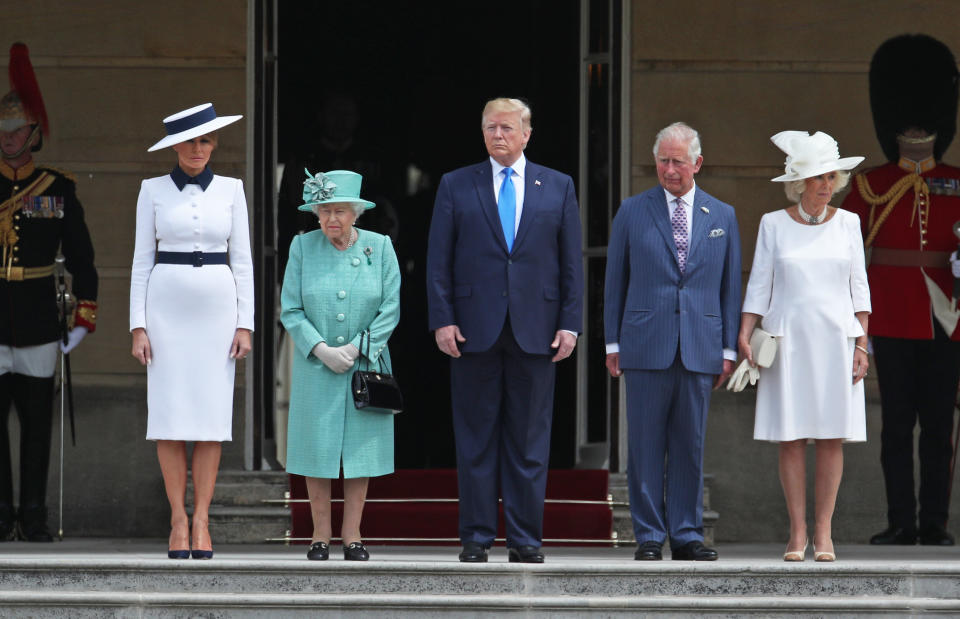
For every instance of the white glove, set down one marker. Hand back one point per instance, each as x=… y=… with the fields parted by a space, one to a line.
x=74 y=337
x=339 y=359
x=954 y=264
x=742 y=375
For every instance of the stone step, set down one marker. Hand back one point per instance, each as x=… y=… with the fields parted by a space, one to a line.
x=80 y=579
x=245 y=487
x=248 y=524
x=98 y=604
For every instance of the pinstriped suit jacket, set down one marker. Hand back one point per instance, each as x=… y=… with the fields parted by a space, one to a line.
x=650 y=307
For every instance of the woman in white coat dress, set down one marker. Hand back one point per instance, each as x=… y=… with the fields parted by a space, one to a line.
x=808 y=286
x=191 y=314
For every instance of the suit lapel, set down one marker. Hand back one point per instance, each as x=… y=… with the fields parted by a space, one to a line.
x=532 y=194
x=700 y=220
x=661 y=219
x=483 y=183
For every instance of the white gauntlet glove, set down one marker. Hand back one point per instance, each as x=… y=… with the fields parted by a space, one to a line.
x=954 y=265
x=339 y=359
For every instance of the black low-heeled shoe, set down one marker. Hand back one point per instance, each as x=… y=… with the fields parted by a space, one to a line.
x=355 y=551
x=201 y=554
x=319 y=551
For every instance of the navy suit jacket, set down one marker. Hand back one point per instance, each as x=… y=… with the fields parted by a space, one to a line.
x=473 y=281
x=650 y=307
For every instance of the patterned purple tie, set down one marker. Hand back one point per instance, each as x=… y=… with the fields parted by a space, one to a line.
x=679 y=224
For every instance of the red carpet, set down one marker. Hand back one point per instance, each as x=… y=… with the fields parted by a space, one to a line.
x=424 y=522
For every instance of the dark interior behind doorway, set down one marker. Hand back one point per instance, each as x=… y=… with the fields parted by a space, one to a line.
x=394 y=90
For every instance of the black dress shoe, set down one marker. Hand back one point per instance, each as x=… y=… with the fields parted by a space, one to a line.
x=895 y=536
x=319 y=551
x=649 y=551
x=473 y=552
x=33 y=524
x=178 y=554
x=935 y=535
x=355 y=551
x=525 y=554
x=693 y=551
x=201 y=554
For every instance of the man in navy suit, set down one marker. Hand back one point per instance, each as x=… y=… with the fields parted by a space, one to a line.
x=504 y=289
x=671 y=316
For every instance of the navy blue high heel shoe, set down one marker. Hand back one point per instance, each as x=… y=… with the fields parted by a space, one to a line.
x=201 y=554
x=178 y=554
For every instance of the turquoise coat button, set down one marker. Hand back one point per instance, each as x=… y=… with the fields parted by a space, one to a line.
x=342 y=294
x=340 y=317
x=339 y=339
x=355 y=262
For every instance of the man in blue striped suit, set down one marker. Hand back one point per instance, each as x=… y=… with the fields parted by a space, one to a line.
x=671 y=316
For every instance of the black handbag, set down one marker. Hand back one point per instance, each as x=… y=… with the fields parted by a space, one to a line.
x=376 y=390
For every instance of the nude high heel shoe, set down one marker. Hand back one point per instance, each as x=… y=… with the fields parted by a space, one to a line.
x=796 y=555
x=823 y=556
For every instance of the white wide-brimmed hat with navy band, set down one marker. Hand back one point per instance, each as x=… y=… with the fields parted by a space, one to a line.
x=332 y=187
x=810 y=155
x=192 y=123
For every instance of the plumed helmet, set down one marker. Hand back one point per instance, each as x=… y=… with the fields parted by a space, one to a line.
x=23 y=105
x=913 y=83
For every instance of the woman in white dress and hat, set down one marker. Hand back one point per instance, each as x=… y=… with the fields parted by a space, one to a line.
x=191 y=314
x=808 y=287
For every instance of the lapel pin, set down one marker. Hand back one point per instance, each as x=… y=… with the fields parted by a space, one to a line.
x=536 y=182
x=704 y=209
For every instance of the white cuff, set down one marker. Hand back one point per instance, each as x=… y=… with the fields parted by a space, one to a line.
x=612 y=348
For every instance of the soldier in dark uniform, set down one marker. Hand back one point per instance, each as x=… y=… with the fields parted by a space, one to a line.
x=907 y=209
x=39 y=216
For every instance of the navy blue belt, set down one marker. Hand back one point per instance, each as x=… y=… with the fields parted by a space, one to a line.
x=196 y=258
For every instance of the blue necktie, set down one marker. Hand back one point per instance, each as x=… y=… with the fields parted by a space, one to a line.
x=507 y=205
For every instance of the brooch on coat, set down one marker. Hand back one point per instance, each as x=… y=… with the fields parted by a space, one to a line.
x=367 y=251
x=715 y=233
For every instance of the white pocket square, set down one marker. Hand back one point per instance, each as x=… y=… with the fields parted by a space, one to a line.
x=716 y=232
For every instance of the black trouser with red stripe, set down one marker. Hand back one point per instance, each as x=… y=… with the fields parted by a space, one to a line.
x=918 y=382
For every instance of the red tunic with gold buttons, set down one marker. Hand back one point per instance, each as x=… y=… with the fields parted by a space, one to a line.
x=910 y=239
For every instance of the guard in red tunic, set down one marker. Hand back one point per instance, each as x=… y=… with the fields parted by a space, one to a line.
x=908 y=208
x=39 y=217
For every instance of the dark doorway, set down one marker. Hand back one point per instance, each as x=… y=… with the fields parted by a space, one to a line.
x=397 y=88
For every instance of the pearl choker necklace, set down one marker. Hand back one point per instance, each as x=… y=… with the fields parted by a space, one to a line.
x=811 y=219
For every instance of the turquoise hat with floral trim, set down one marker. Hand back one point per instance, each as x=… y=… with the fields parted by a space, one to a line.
x=332 y=187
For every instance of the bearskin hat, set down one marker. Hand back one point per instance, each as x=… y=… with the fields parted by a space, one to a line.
x=913 y=83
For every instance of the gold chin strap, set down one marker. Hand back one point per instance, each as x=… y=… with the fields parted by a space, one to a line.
x=921 y=201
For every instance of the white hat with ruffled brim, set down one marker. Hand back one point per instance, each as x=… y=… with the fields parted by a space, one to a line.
x=192 y=123
x=810 y=155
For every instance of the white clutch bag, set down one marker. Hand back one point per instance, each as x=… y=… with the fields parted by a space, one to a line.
x=764 y=348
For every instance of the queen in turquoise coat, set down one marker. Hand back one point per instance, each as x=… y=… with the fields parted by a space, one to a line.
x=341 y=284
